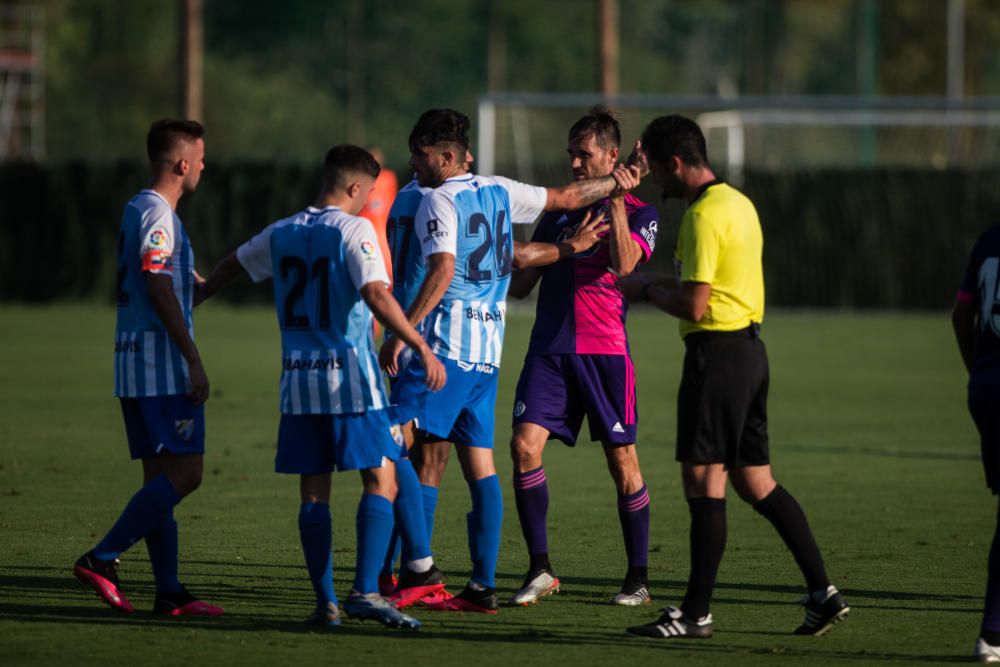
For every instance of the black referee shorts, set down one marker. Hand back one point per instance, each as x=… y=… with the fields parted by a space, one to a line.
x=722 y=403
x=984 y=404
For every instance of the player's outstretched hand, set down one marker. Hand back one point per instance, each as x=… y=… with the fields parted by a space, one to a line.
x=198 y=393
x=632 y=285
x=626 y=178
x=388 y=356
x=436 y=374
x=199 y=290
x=588 y=232
x=638 y=159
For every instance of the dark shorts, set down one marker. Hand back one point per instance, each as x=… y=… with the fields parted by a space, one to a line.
x=722 y=403
x=316 y=444
x=157 y=424
x=984 y=404
x=556 y=391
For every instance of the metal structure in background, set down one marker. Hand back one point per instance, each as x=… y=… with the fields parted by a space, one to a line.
x=727 y=122
x=191 y=58
x=22 y=90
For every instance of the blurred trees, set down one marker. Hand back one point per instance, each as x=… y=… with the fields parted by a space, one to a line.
x=278 y=79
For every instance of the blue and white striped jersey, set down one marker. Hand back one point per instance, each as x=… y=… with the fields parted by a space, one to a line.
x=319 y=260
x=408 y=269
x=151 y=238
x=470 y=217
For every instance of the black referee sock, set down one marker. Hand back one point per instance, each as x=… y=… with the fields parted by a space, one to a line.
x=782 y=510
x=708 y=541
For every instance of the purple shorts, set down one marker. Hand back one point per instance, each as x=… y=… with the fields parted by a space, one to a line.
x=555 y=391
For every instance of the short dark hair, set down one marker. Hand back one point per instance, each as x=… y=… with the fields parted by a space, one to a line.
x=343 y=160
x=440 y=125
x=676 y=135
x=600 y=122
x=167 y=133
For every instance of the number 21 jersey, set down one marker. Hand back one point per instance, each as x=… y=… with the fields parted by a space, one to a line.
x=319 y=260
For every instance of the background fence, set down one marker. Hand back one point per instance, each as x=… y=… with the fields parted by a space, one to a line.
x=832 y=237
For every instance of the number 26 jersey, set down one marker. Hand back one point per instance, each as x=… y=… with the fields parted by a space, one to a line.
x=319 y=260
x=470 y=217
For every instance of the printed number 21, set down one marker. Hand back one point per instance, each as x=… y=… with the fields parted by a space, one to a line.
x=292 y=265
x=496 y=240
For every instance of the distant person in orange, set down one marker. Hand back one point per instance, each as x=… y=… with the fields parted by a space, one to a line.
x=379 y=201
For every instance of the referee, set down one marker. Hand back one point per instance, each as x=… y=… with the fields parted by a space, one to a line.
x=718 y=296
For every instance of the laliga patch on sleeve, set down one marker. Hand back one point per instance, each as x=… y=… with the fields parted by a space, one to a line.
x=368 y=251
x=158 y=238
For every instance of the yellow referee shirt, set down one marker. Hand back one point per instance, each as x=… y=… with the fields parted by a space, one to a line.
x=720 y=243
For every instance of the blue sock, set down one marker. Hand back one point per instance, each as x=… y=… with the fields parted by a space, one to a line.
x=485 y=524
x=316 y=535
x=374 y=525
x=409 y=513
x=392 y=553
x=147 y=509
x=162 y=546
x=430 y=494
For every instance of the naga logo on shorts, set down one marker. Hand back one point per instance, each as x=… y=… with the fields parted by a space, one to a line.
x=185 y=428
x=397 y=434
x=519 y=408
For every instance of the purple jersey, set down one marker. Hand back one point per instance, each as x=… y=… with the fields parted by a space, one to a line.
x=580 y=308
x=981 y=287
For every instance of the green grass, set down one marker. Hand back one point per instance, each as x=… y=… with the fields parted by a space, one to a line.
x=869 y=431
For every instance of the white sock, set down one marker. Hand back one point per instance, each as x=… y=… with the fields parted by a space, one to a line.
x=420 y=565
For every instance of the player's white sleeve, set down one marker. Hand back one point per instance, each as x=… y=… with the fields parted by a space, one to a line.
x=255 y=255
x=156 y=247
x=527 y=202
x=362 y=255
x=436 y=224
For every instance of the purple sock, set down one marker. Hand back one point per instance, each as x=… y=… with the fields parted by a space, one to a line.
x=633 y=512
x=531 y=495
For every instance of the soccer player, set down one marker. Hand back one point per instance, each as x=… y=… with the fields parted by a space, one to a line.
x=159 y=378
x=976 y=320
x=464 y=229
x=718 y=298
x=578 y=363
x=430 y=456
x=329 y=278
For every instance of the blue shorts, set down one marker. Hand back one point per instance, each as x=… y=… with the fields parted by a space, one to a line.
x=157 y=424
x=555 y=391
x=462 y=412
x=316 y=444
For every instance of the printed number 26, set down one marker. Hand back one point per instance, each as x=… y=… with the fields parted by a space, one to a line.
x=497 y=241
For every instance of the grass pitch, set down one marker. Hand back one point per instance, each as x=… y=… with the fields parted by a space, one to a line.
x=869 y=431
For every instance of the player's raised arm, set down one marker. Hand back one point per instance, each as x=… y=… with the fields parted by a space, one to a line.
x=625 y=251
x=585 y=192
x=387 y=311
